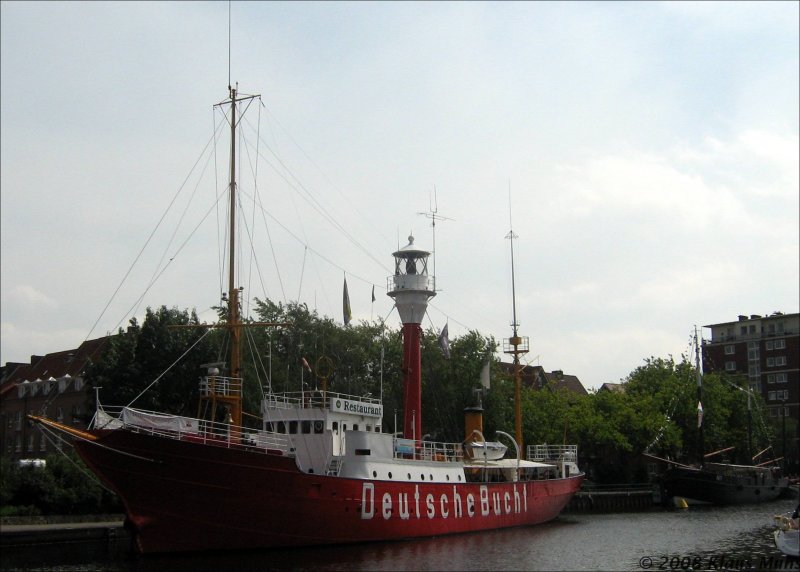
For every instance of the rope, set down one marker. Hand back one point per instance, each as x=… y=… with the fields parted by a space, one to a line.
x=47 y=433
x=170 y=367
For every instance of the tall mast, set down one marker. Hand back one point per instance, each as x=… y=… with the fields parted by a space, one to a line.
x=516 y=345
x=699 y=396
x=233 y=293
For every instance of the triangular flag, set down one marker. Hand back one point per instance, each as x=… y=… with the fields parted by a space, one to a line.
x=444 y=341
x=373 y=292
x=485 y=375
x=348 y=314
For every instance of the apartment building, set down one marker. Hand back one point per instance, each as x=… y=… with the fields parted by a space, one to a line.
x=765 y=352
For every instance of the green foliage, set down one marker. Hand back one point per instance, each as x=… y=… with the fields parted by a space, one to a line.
x=63 y=486
x=138 y=356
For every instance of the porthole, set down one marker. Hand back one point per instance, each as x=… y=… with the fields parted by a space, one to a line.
x=374 y=474
x=430 y=477
x=448 y=477
x=459 y=477
x=390 y=475
x=422 y=477
x=409 y=476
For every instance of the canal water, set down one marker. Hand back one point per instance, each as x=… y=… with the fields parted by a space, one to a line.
x=697 y=538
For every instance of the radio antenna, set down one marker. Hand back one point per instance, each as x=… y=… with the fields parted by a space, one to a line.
x=433 y=209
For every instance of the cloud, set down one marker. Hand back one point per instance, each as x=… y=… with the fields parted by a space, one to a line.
x=30 y=296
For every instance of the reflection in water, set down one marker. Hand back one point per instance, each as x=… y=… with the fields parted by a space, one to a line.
x=707 y=538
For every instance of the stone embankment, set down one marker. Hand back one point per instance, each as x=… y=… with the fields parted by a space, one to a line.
x=614 y=498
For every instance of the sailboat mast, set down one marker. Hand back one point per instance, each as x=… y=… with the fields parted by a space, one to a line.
x=699 y=396
x=515 y=345
x=233 y=298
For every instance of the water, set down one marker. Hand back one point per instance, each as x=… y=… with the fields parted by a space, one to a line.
x=699 y=538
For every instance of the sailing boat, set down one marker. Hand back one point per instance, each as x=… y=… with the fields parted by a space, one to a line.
x=319 y=469
x=721 y=483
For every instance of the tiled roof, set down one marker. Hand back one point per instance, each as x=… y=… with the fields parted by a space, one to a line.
x=56 y=365
x=535 y=377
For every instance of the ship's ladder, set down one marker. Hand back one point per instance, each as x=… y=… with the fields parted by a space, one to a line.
x=334 y=466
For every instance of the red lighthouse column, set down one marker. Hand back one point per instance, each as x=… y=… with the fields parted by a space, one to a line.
x=411 y=289
x=412 y=381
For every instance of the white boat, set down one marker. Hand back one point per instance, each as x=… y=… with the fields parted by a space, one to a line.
x=787 y=535
x=490 y=450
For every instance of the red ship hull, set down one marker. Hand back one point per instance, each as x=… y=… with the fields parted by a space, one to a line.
x=185 y=496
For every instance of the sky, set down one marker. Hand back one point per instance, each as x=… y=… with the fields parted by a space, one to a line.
x=644 y=153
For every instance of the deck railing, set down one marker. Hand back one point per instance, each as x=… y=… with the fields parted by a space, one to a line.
x=552 y=453
x=190 y=429
x=427 y=450
x=313 y=398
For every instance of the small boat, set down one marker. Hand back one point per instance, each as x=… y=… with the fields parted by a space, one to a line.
x=787 y=535
x=318 y=467
x=489 y=450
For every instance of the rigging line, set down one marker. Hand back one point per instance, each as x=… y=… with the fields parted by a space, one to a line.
x=324 y=290
x=50 y=434
x=180 y=248
x=272 y=249
x=208 y=330
x=327 y=178
x=294 y=236
x=180 y=221
x=316 y=205
x=254 y=354
x=149 y=238
x=263 y=367
x=255 y=192
x=302 y=272
x=220 y=253
x=252 y=250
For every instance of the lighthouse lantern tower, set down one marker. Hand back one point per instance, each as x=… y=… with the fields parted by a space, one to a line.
x=411 y=288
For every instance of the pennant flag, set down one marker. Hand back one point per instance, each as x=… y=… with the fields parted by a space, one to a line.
x=699 y=414
x=444 y=342
x=373 y=293
x=485 y=375
x=305 y=364
x=348 y=314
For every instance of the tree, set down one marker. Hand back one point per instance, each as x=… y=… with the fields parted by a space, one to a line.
x=137 y=357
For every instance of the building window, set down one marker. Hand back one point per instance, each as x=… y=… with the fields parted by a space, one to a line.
x=18 y=421
x=18 y=443
x=754 y=371
x=771 y=396
x=770 y=345
x=730 y=366
x=780 y=344
x=42 y=443
x=752 y=329
x=30 y=442
x=774 y=412
x=771 y=328
x=730 y=350
x=771 y=362
x=744 y=330
x=781 y=378
x=780 y=360
x=780 y=326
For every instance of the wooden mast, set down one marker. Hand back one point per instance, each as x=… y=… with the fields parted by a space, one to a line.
x=233 y=292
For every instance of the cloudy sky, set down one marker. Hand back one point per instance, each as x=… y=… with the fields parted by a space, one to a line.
x=649 y=152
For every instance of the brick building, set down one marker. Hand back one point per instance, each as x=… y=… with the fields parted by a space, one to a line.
x=50 y=385
x=764 y=351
